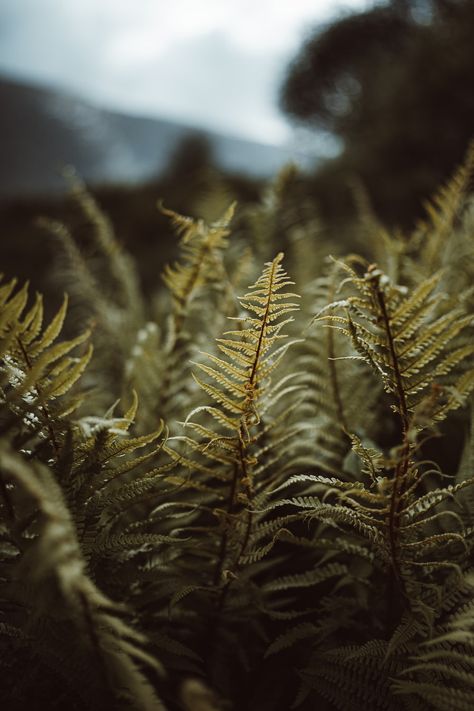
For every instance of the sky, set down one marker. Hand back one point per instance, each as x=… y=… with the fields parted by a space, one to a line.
x=217 y=64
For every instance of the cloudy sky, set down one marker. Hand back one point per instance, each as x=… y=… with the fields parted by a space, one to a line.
x=211 y=63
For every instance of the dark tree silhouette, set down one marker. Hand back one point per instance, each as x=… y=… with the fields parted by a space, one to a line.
x=395 y=84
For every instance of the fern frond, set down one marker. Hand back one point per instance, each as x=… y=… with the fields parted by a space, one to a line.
x=51 y=562
x=38 y=372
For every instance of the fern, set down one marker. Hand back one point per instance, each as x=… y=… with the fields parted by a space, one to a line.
x=305 y=538
x=37 y=372
x=52 y=570
x=239 y=386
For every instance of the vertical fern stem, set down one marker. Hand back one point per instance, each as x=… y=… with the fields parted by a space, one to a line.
x=246 y=478
x=248 y=490
x=214 y=646
x=248 y=417
x=225 y=535
x=263 y=327
x=44 y=407
x=399 y=479
x=242 y=437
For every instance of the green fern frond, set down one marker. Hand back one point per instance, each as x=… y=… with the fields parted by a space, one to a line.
x=51 y=564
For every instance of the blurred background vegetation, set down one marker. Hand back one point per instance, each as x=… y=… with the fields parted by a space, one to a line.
x=390 y=87
x=394 y=85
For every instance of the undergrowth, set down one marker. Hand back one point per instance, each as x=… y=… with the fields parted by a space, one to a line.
x=243 y=497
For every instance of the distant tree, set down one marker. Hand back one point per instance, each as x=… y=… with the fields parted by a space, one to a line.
x=395 y=83
x=193 y=156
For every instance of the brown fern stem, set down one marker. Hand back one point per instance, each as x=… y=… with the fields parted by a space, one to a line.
x=245 y=479
x=399 y=479
x=403 y=408
x=225 y=536
x=263 y=327
x=241 y=467
x=241 y=445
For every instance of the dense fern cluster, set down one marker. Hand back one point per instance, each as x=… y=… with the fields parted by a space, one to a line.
x=243 y=497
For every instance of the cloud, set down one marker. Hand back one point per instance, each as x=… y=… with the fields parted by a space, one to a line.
x=214 y=62
x=211 y=82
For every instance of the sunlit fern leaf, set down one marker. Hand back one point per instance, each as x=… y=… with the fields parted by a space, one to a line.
x=196 y=282
x=38 y=370
x=200 y=247
x=414 y=342
x=226 y=434
x=239 y=381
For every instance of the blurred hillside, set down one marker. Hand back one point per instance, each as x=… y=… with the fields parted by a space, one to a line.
x=42 y=130
x=190 y=183
x=391 y=86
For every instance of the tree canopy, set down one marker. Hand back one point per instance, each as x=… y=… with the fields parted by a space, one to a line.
x=394 y=83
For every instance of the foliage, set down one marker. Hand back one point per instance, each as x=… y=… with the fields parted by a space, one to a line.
x=387 y=84
x=239 y=502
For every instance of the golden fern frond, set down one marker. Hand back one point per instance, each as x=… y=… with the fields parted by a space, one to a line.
x=413 y=344
x=412 y=341
x=226 y=433
x=191 y=282
x=238 y=382
x=200 y=247
x=36 y=370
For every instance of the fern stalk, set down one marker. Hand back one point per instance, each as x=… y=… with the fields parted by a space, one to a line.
x=399 y=479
